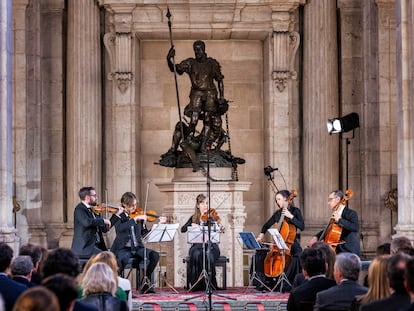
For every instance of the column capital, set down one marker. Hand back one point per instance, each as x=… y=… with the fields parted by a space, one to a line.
x=283 y=15
x=121 y=16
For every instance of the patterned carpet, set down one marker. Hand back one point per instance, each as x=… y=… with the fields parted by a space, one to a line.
x=232 y=299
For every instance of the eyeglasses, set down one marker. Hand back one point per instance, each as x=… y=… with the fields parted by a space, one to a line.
x=330 y=199
x=93 y=195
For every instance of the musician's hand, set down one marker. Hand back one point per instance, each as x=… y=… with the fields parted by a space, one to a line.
x=120 y=210
x=107 y=223
x=162 y=219
x=312 y=241
x=140 y=217
x=336 y=215
x=287 y=213
x=260 y=238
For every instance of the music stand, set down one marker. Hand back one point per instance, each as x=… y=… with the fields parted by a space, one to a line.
x=163 y=233
x=281 y=245
x=250 y=242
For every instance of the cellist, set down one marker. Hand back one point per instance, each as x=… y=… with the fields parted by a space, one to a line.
x=347 y=220
x=292 y=216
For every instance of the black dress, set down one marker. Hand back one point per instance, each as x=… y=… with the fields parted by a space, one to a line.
x=196 y=262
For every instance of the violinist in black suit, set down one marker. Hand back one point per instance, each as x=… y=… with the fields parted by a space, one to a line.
x=347 y=220
x=293 y=217
x=88 y=227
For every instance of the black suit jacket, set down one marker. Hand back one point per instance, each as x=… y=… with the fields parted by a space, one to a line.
x=10 y=290
x=86 y=227
x=350 y=228
x=395 y=302
x=123 y=233
x=305 y=294
x=339 y=297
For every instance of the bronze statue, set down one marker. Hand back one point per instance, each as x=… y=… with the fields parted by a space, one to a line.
x=207 y=104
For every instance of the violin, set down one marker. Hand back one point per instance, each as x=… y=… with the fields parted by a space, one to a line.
x=214 y=217
x=151 y=215
x=332 y=233
x=103 y=208
x=275 y=263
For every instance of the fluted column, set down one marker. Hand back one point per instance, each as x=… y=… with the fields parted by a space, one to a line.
x=84 y=111
x=405 y=82
x=7 y=229
x=320 y=102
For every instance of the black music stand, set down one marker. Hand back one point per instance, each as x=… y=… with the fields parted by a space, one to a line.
x=163 y=233
x=281 y=245
x=250 y=242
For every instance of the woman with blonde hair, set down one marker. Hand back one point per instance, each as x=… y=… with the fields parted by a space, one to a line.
x=99 y=288
x=377 y=283
x=37 y=298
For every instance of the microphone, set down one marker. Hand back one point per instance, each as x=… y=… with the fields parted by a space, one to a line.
x=268 y=170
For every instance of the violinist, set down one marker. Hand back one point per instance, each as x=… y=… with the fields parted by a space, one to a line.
x=128 y=242
x=347 y=221
x=293 y=217
x=196 y=250
x=88 y=226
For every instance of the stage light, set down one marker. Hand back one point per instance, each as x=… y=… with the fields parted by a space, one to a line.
x=343 y=124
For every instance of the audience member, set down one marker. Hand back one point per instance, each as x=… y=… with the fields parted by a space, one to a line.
x=36 y=253
x=9 y=289
x=377 y=283
x=64 y=260
x=399 y=299
x=1 y=303
x=313 y=262
x=65 y=288
x=402 y=244
x=340 y=297
x=99 y=288
x=383 y=249
x=409 y=282
x=110 y=259
x=37 y=298
x=330 y=256
x=21 y=270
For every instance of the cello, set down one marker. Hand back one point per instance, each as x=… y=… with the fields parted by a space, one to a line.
x=332 y=233
x=277 y=260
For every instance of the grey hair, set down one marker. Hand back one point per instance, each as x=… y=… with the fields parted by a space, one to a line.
x=99 y=278
x=349 y=264
x=22 y=265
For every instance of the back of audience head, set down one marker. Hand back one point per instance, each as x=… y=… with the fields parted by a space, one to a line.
x=347 y=266
x=402 y=244
x=35 y=252
x=22 y=266
x=64 y=287
x=330 y=257
x=6 y=256
x=409 y=277
x=383 y=249
x=377 y=280
x=313 y=262
x=106 y=257
x=395 y=271
x=99 y=278
x=61 y=260
x=37 y=298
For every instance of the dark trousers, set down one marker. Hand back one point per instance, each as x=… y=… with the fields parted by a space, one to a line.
x=152 y=258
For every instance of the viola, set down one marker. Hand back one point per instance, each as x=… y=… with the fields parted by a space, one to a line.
x=151 y=215
x=103 y=208
x=213 y=214
x=332 y=233
x=277 y=260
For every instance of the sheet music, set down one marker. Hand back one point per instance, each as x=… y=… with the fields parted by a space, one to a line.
x=199 y=234
x=280 y=243
x=162 y=232
x=249 y=240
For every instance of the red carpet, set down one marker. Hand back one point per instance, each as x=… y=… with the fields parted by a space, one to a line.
x=231 y=299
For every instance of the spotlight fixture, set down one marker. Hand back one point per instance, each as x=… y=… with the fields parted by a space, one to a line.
x=343 y=124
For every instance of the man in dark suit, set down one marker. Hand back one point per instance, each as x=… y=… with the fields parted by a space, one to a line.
x=399 y=299
x=340 y=297
x=313 y=262
x=89 y=226
x=347 y=220
x=9 y=289
x=22 y=269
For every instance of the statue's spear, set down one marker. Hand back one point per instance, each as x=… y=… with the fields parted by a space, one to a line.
x=184 y=144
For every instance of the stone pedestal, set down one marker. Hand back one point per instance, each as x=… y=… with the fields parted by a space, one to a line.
x=226 y=197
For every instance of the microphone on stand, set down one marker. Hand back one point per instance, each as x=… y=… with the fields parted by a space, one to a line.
x=269 y=170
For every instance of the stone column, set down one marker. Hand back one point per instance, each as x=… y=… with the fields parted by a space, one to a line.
x=122 y=142
x=280 y=112
x=320 y=102
x=84 y=110
x=7 y=229
x=405 y=82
